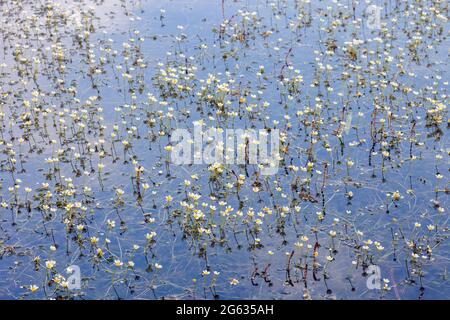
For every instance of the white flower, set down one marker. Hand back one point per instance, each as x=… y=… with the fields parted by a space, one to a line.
x=33 y=288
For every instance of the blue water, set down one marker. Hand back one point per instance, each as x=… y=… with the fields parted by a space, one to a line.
x=388 y=76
